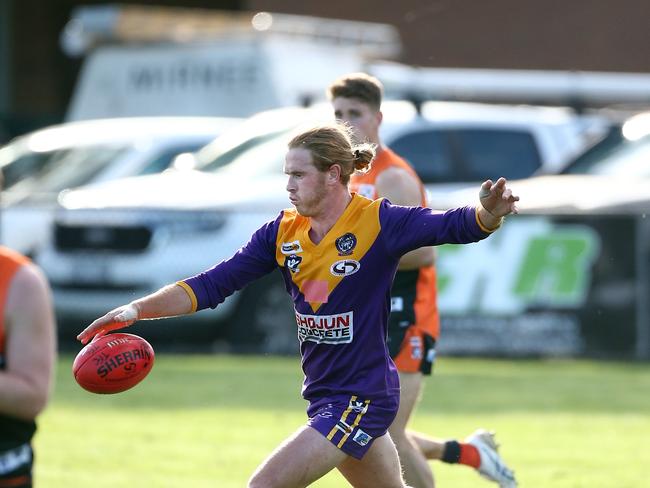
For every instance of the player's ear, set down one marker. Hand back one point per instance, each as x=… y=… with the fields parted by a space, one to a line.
x=334 y=173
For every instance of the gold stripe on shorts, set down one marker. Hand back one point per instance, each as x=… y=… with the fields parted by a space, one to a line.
x=355 y=424
x=343 y=418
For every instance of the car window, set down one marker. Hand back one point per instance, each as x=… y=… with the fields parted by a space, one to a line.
x=459 y=155
x=207 y=160
x=429 y=153
x=601 y=149
x=489 y=153
x=614 y=154
x=22 y=165
x=70 y=167
x=165 y=157
x=262 y=159
x=631 y=158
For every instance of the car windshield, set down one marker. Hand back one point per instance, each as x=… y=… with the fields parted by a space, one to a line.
x=615 y=155
x=17 y=163
x=261 y=157
x=53 y=171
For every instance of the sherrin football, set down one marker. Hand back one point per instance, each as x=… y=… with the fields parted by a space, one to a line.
x=113 y=363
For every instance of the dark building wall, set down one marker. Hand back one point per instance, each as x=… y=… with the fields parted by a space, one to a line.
x=595 y=35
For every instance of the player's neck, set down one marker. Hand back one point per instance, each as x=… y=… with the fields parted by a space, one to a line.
x=380 y=148
x=321 y=223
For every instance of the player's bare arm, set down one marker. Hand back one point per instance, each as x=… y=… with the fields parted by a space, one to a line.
x=31 y=345
x=169 y=301
x=402 y=188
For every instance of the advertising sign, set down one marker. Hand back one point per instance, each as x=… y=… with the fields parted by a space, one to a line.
x=541 y=285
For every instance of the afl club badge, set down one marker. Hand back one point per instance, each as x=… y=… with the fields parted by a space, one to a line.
x=346 y=244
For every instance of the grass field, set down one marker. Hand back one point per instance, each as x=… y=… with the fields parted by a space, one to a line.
x=207 y=421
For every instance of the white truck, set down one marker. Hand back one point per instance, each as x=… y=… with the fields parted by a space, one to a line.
x=143 y=61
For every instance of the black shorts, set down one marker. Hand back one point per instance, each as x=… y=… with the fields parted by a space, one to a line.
x=411 y=347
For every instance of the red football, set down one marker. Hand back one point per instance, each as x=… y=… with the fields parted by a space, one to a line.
x=113 y=363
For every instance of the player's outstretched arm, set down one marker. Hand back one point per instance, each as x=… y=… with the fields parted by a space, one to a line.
x=170 y=301
x=497 y=201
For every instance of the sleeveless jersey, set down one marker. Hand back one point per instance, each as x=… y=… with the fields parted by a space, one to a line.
x=13 y=431
x=340 y=287
x=421 y=285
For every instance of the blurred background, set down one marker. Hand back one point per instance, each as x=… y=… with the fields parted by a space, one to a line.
x=143 y=143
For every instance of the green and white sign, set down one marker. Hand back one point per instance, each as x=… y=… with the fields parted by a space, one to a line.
x=530 y=262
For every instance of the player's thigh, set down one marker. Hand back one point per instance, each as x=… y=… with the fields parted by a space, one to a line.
x=379 y=468
x=410 y=389
x=298 y=461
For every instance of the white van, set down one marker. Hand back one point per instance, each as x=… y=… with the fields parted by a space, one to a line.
x=144 y=60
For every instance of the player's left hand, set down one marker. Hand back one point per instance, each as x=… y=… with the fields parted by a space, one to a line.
x=498 y=199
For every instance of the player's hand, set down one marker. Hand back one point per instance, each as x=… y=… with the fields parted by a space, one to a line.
x=115 y=319
x=498 y=199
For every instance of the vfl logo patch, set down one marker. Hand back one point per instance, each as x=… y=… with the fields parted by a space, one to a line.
x=288 y=248
x=293 y=262
x=326 y=329
x=345 y=267
x=361 y=437
x=346 y=244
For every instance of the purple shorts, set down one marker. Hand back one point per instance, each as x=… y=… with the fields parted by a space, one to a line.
x=352 y=423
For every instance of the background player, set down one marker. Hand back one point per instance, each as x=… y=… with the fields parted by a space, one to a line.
x=27 y=355
x=328 y=248
x=413 y=326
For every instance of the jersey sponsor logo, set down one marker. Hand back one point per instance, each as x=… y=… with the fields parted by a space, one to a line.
x=293 y=263
x=288 y=248
x=345 y=267
x=346 y=244
x=326 y=329
x=362 y=438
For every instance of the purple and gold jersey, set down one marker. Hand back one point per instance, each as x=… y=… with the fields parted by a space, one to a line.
x=340 y=286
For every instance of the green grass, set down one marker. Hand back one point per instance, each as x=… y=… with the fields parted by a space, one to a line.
x=206 y=421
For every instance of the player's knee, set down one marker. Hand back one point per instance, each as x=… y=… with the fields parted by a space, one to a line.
x=399 y=436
